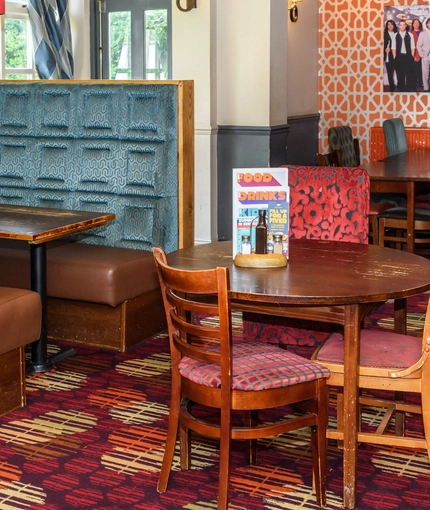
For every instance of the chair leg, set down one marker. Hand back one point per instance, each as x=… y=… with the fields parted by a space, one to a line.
x=374 y=225
x=185 y=447
x=224 y=458
x=251 y=418
x=339 y=412
x=400 y=417
x=426 y=418
x=381 y=232
x=172 y=433
x=319 y=444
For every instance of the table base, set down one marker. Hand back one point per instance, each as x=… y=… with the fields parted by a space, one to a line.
x=41 y=368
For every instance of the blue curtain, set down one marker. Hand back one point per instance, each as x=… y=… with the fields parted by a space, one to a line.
x=52 y=38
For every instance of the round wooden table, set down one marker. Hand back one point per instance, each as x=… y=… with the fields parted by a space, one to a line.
x=329 y=281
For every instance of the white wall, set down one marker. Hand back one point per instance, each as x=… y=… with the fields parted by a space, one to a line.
x=302 y=91
x=243 y=62
x=193 y=41
x=80 y=24
x=278 y=63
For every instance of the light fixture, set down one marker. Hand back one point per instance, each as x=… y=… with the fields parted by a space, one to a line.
x=190 y=4
x=294 y=11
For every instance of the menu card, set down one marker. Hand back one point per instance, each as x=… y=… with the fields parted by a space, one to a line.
x=260 y=188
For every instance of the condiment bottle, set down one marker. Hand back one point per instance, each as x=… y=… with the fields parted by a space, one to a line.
x=261 y=233
x=245 y=248
x=277 y=244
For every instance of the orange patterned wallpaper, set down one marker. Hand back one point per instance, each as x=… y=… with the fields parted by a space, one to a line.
x=350 y=72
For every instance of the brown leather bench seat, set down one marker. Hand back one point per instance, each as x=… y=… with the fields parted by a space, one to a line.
x=97 y=295
x=20 y=322
x=84 y=272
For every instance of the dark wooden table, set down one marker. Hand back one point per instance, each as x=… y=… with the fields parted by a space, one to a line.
x=37 y=226
x=408 y=173
x=329 y=280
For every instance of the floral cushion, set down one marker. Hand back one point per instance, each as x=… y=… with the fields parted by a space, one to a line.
x=285 y=331
x=379 y=349
x=329 y=203
x=256 y=366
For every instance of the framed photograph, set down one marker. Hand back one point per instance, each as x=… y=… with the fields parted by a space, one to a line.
x=407 y=48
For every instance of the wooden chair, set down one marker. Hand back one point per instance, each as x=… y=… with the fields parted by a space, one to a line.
x=211 y=369
x=341 y=139
x=395 y=136
x=375 y=209
x=393 y=226
x=388 y=362
x=329 y=159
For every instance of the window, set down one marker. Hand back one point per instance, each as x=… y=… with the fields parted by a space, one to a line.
x=131 y=39
x=16 y=44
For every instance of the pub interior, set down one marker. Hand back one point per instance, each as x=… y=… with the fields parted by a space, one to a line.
x=99 y=167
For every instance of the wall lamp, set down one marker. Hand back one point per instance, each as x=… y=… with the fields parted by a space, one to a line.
x=294 y=11
x=189 y=4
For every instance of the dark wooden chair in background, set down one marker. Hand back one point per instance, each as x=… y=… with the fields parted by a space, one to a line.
x=341 y=139
x=395 y=136
x=329 y=159
x=393 y=226
x=210 y=369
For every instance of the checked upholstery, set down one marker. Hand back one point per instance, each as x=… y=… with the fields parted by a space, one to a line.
x=209 y=368
x=330 y=203
x=256 y=367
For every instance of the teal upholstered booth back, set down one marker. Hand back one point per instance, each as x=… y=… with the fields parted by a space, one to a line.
x=99 y=146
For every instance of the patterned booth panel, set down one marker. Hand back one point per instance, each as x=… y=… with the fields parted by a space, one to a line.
x=101 y=147
x=329 y=203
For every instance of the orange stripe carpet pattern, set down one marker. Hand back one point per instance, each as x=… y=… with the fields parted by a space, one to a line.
x=92 y=435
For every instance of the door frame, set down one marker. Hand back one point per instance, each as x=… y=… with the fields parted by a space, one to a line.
x=98 y=20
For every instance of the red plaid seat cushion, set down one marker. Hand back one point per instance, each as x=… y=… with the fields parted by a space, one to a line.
x=378 y=349
x=256 y=366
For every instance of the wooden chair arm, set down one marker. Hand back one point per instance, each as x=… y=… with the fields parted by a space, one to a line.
x=416 y=366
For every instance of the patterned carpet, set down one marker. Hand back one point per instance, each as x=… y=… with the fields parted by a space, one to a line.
x=91 y=437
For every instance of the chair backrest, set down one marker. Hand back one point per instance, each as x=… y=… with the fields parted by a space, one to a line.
x=423 y=363
x=329 y=203
x=395 y=136
x=329 y=159
x=340 y=138
x=426 y=342
x=186 y=293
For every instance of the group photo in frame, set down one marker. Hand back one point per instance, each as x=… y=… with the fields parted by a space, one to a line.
x=406 y=48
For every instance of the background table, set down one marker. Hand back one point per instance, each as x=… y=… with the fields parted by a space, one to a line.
x=408 y=173
x=352 y=278
x=37 y=226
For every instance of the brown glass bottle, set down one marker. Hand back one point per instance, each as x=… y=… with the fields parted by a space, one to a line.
x=261 y=232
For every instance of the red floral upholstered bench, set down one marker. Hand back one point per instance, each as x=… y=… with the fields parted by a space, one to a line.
x=329 y=203
x=20 y=322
